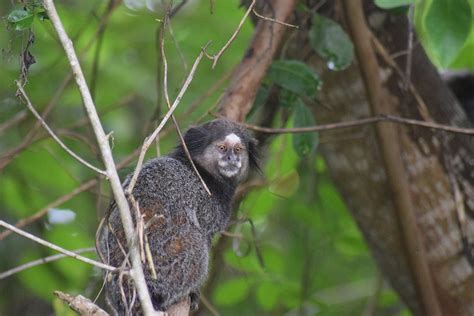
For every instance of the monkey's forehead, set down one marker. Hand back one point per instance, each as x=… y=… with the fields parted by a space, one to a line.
x=232 y=139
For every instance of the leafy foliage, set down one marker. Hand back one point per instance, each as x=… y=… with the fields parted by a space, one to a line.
x=446 y=29
x=310 y=245
x=390 y=4
x=331 y=43
x=304 y=143
x=294 y=76
x=23 y=19
x=447 y=25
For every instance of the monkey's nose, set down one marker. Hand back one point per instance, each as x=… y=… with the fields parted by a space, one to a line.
x=232 y=157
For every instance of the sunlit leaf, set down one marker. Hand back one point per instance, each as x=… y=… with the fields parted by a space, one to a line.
x=231 y=291
x=445 y=25
x=21 y=19
x=331 y=42
x=390 y=4
x=286 y=184
x=295 y=76
x=267 y=294
x=304 y=143
x=274 y=260
x=247 y=263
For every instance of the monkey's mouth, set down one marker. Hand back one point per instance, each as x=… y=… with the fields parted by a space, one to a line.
x=229 y=169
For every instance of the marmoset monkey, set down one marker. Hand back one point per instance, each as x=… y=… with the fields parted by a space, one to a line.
x=180 y=217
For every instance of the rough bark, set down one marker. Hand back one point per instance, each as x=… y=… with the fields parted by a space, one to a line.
x=438 y=165
x=240 y=94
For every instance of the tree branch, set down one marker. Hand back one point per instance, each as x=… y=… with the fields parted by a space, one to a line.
x=38 y=262
x=53 y=135
x=362 y=122
x=149 y=140
x=390 y=149
x=57 y=248
x=81 y=304
x=247 y=77
x=102 y=139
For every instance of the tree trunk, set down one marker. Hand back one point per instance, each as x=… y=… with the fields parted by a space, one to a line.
x=438 y=165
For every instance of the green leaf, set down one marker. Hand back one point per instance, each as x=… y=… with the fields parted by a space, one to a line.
x=447 y=27
x=286 y=184
x=330 y=41
x=295 y=76
x=275 y=260
x=21 y=19
x=267 y=295
x=390 y=4
x=231 y=291
x=287 y=98
x=260 y=99
x=304 y=143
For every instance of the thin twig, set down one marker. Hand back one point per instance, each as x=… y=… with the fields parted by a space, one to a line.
x=81 y=188
x=38 y=262
x=168 y=103
x=273 y=20
x=81 y=304
x=178 y=7
x=149 y=140
x=102 y=139
x=98 y=50
x=57 y=248
x=232 y=235
x=53 y=135
x=410 y=46
x=361 y=122
x=42 y=212
x=17 y=118
x=209 y=306
x=216 y=57
x=30 y=137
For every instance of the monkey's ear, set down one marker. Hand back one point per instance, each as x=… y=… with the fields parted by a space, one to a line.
x=254 y=155
x=197 y=139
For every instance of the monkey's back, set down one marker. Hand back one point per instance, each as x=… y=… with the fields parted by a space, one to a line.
x=171 y=199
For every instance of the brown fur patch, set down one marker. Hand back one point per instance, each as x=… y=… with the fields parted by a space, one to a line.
x=175 y=246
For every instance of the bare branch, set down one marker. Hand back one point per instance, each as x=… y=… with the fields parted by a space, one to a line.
x=216 y=57
x=389 y=145
x=124 y=209
x=17 y=118
x=57 y=248
x=273 y=20
x=53 y=135
x=81 y=188
x=149 y=140
x=31 y=136
x=361 y=122
x=168 y=103
x=38 y=262
x=81 y=304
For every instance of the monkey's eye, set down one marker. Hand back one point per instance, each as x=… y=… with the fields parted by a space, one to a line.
x=237 y=149
x=222 y=147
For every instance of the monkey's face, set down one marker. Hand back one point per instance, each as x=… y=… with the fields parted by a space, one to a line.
x=227 y=157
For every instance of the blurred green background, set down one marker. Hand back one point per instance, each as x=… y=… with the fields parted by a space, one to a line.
x=315 y=261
